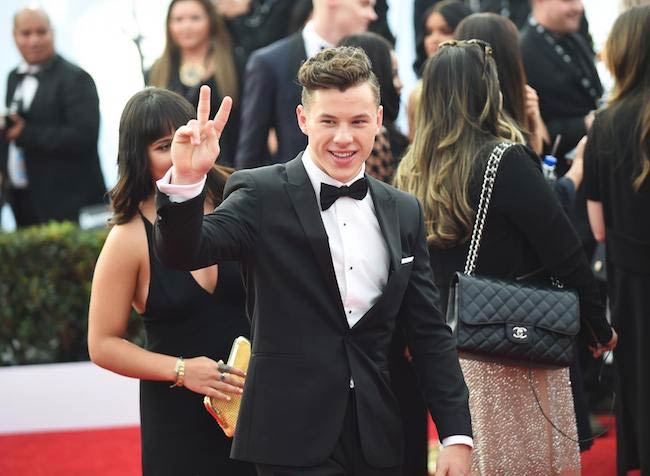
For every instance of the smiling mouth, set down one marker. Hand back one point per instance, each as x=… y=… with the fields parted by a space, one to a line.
x=342 y=155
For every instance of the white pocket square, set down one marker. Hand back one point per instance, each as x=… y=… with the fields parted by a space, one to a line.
x=406 y=260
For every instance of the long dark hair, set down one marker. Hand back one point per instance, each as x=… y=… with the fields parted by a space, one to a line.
x=149 y=115
x=459 y=114
x=501 y=33
x=627 y=56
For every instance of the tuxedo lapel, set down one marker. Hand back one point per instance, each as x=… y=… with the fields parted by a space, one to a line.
x=302 y=196
x=388 y=220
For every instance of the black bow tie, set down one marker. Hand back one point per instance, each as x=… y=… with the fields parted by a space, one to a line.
x=329 y=193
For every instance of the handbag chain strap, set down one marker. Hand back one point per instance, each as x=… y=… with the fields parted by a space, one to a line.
x=481 y=214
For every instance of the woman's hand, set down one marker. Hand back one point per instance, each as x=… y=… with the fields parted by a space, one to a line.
x=576 y=171
x=599 y=349
x=538 y=132
x=214 y=379
x=195 y=146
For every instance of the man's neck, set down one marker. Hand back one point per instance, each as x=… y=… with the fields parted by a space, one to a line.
x=327 y=29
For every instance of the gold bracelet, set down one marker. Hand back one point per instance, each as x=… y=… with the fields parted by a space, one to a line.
x=180 y=373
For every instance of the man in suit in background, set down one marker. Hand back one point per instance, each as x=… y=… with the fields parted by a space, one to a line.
x=51 y=135
x=270 y=90
x=333 y=261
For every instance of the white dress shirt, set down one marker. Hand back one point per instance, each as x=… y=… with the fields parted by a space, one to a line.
x=313 y=41
x=359 y=251
x=20 y=103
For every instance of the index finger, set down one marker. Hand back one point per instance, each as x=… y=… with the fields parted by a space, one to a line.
x=203 y=107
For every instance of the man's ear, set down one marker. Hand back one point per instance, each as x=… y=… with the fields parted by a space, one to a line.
x=380 y=117
x=301 y=114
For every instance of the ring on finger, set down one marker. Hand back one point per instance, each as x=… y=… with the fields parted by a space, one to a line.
x=222 y=377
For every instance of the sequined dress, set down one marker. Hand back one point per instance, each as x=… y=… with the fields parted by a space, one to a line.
x=525 y=230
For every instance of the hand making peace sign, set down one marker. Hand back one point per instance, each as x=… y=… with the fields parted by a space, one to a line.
x=195 y=146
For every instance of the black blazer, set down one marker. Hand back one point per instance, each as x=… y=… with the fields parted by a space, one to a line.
x=271 y=94
x=563 y=101
x=60 y=141
x=304 y=352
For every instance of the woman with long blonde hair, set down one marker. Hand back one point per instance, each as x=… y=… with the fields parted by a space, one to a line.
x=460 y=121
x=198 y=50
x=617 y=179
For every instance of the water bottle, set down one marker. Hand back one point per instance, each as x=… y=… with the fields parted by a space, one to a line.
x=548 y=167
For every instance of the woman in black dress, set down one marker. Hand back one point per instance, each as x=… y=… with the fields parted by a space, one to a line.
x=190 y=319
x=460 y=121
x=617 y=179
x=198 y=51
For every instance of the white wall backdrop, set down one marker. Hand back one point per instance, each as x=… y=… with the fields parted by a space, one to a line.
x=97 y=35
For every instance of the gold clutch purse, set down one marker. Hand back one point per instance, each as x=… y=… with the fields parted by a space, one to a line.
x=226 y=412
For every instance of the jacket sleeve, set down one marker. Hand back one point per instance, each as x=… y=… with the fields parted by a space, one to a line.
x=432 y=345
x=186 y=239
x=256 y=114
x=78 y=128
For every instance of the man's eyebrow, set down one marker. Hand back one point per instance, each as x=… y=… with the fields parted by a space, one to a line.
x=362 y=115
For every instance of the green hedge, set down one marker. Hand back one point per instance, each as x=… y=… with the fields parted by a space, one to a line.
x=45 y=279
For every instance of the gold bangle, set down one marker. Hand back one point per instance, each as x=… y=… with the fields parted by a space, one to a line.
x=180 y=373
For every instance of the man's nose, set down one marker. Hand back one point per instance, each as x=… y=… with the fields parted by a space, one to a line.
x=343 y=135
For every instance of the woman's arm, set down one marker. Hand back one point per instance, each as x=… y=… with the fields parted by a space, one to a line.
x=522 y=194
x=596 y=219
x=113 y=290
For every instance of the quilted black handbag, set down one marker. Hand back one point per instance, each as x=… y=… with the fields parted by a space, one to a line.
x=509 y=321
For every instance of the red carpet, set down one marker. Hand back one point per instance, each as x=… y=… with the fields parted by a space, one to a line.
x=116 y=452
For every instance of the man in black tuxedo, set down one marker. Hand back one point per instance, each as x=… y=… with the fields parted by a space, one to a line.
x=52 y=136
x=330 y=271
x=270 y=90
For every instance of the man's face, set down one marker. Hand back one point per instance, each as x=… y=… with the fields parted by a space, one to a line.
x=354 y=16
x=33 y=37
x=562 y=16
x=341 y=128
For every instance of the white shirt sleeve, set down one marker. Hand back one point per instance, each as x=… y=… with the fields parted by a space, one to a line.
x=458 y=440
x=179 y=193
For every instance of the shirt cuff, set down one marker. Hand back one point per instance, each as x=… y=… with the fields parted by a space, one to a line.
x=179 y=193
x=458 y=440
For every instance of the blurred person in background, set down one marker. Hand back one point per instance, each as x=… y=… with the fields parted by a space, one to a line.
x=617 y=179
x=271 y=93
x=526 y=230
x=50 y=130
x=439 y=23
x=254 y=24
x=195 y=315
x=198 y=50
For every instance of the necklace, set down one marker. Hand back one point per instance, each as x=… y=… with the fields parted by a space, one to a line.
x=585 y=82
x=191 y=74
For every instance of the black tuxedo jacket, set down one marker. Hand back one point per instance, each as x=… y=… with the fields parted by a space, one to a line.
x=271 y=94
x=60 y=141
x=304 y=352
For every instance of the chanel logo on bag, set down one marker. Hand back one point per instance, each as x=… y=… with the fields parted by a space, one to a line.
x=520 y=332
